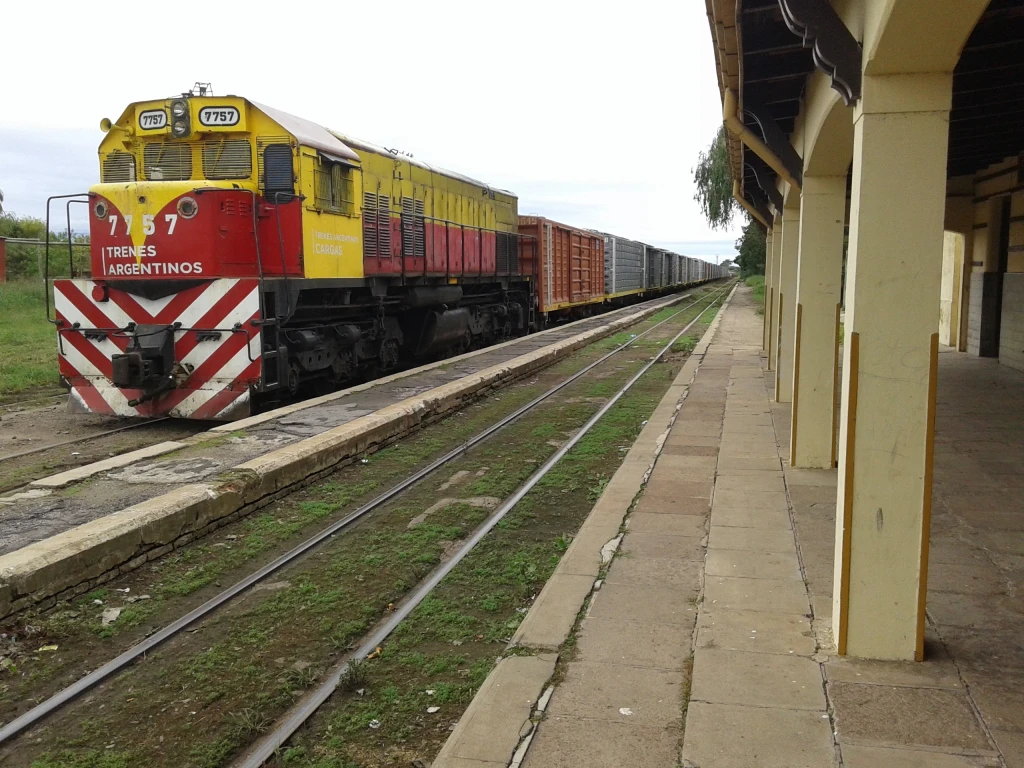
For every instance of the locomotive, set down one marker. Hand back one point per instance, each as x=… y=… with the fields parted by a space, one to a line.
x=239 y=253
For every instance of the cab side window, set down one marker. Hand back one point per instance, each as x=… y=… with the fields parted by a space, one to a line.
x=334 y=187
x=278 y=181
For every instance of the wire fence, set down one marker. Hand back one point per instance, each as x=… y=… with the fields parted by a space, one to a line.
x=26 y=258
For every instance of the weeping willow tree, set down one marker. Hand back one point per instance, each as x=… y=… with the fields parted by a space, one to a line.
x=714 y=183
x=714 y=195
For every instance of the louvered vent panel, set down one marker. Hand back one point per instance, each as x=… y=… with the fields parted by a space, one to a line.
x=118 y=167
x=261 y=144
x=420 y=231
x=165 y=161
x=227 y=159
x=501 y=252
x=383 y=225
x=408 y=226
x=369 y=224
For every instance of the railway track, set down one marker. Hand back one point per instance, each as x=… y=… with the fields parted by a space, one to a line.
x=267 y=746
x=77 y=440
x=20 y=468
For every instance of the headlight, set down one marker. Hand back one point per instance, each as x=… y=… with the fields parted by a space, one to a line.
x=187 y=207
x=179 y=128
x=100 y=210
x=179 y=108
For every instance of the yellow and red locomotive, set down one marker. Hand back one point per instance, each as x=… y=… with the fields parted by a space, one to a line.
x=239 y=253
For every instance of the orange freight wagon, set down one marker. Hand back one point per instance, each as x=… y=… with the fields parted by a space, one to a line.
x=568 y=264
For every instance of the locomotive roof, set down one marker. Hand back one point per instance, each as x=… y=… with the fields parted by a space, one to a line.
x=309 y=133
x=370 y=147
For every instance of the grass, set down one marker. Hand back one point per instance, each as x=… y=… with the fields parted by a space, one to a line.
x=221 y=684
x=27 y=340
x=441 y=654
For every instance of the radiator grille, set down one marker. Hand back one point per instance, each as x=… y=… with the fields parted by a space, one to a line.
x=501 y=251
x=383 y=225
x=414 y=237
x=227 y=159
x=118 y=167
x=167 y=162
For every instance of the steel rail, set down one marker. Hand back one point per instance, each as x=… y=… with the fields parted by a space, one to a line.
x=82 y=439
x=269 y=745
x=79 y=687
x=86 y=437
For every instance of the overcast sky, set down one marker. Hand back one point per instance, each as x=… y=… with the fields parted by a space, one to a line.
x=591 y=112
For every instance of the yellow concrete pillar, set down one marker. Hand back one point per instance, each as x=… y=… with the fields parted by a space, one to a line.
x=773 y=320
x=818 y=283
x=890 y=363
x=787 y=305
x=767 y=290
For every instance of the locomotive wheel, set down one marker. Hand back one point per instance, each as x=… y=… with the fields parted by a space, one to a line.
x=389 y=354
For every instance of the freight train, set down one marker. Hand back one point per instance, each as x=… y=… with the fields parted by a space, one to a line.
x=239 y=253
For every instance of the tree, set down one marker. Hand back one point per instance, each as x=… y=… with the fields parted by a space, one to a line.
x=714 y=195
x=714 y=183
x=751 y=247
x=26 y=260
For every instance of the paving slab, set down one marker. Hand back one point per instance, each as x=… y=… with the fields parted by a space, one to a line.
x=665 y=486
x=882 y=757
x=1011 y=746
x=755 y=632
x=999 y=697
x=770 y=595
x=751 y=539
x=570 y=742
x=656 y=524
x=754 y=482
x=885 y=715
x=753 y=565
x=644 y=545
x=690 y=467
x=617 y=692
x=666 y=504
x=739 y=515
x=730 y=463
x=677 y=449
x=730 y=736
x=681 y=575
x=724 y=676
x=554 y=612
x=752 y=499
x=633 y=643
x=653 y=605
x=934 y=673
x=508 y=695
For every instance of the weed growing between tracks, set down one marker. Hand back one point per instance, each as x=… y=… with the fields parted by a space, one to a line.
x=198 y=700
x=443 y=652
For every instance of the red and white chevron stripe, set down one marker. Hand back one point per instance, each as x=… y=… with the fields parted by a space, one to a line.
x=222 y=371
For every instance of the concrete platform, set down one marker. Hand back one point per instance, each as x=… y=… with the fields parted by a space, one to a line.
x=70 y=532
x=707 y=640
